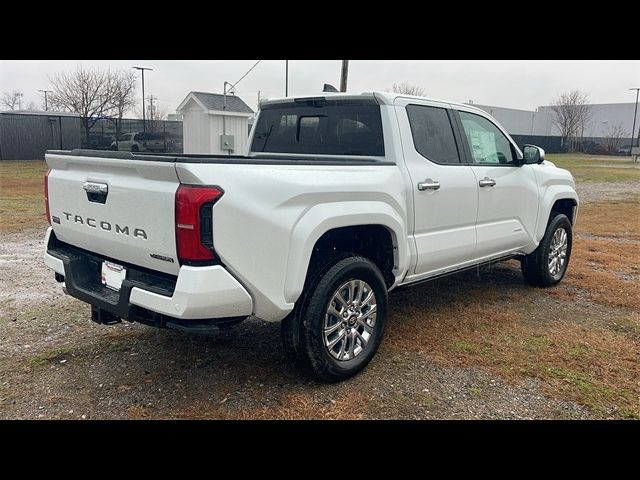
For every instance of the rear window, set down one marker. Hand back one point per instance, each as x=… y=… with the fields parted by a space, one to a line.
x=330 y=128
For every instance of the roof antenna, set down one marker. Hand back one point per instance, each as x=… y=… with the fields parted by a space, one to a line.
x=329 y=88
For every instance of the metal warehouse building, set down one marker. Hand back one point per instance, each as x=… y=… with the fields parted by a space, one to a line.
x=540 y=123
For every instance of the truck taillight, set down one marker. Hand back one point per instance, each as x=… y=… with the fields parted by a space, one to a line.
x=46 y=195
x=194 y=228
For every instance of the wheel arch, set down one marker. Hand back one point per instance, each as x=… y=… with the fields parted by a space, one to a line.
x=558 y=198
x=356 y=223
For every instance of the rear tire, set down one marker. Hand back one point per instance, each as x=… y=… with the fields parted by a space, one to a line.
x=135 y=148
x=548 y=263
x=338 y=323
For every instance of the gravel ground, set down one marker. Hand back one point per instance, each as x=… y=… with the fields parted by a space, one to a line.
x=606 y=192
x=56 y=363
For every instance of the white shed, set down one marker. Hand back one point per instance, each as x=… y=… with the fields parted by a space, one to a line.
x=210 y=126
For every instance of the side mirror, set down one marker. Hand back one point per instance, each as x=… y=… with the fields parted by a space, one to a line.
x=532 y=154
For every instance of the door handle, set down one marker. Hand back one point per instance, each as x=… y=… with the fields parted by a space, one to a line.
x=95 y=187
x=487 y=182
x=428 y=184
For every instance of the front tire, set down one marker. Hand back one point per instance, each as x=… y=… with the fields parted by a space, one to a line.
x=548 y=263
x=339 y=319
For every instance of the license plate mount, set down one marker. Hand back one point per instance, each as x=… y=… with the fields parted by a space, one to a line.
x=113 y=275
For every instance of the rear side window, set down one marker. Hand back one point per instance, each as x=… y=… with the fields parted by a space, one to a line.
x=433 y=134
x=328 y=129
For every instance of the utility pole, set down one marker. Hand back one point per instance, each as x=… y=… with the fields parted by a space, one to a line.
x=286 y=78
x=144 y=126
x=343 y=77
x=258 y=99
x=46 y=107
x=19 y=95
x=152 y=115
x=151 y=98
x=633 y=129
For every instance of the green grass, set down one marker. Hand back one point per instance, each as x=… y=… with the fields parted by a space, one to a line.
x=630 y=414
x=592 y=168
x=536 y=343
x=51 y=356
x=119 y=346
x=592 y=393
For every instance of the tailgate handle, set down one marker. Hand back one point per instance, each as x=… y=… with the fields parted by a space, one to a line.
x=96 y=192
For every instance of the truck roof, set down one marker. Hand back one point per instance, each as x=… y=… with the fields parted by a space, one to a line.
x=385 y=98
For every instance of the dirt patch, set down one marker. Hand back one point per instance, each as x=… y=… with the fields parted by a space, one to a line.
x=25 y=278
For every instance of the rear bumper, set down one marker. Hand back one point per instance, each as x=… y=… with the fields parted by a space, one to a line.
x=209 y=292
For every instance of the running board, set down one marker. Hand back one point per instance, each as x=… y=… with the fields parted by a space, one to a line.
x=453 y=272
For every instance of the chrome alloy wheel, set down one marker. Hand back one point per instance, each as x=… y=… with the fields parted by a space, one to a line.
x=558 y=252
x=350 y=320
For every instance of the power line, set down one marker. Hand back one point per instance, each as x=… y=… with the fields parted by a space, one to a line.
x=248 y=71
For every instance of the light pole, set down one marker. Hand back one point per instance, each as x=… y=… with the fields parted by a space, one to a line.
x=144 y=126
x=343 y=76
x=19 y=95
x=633 y=129
x=46 y=109
x=286 y=78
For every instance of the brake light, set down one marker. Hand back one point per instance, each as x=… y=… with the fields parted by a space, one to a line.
x=46 y=195
x=194 y=229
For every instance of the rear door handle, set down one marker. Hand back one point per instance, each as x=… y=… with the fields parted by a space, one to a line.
x=487 y=182
x=428 y=184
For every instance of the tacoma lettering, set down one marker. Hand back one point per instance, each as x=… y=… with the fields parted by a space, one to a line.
x=106 y=226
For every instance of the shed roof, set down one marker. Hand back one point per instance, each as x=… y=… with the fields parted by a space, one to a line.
x=215 y=101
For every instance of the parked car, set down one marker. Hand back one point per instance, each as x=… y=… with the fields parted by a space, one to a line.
x=626 y=150
x=139 y=142
x=342 y=198
x=174 y=144
x=98 y=142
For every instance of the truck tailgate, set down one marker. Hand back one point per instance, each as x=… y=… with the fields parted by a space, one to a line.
x=119 y=208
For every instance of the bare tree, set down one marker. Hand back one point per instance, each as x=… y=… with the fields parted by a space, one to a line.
x=89 y=92
x=572 y=112
x=11 y=100
x=407 y=88
x=124 y=89
x=614 y=135
x=31 y=106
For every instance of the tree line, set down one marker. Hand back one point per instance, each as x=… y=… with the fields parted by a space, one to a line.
x=94 y=94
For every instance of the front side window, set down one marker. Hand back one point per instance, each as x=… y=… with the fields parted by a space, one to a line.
x=433 y=134
x=331 y=128
x=488 y=145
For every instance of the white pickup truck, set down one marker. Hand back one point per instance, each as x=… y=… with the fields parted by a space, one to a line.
x=342 y=198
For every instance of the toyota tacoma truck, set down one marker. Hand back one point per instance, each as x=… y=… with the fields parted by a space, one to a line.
x=342 y=198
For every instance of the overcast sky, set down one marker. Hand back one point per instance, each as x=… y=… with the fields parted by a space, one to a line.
x=521 y=84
